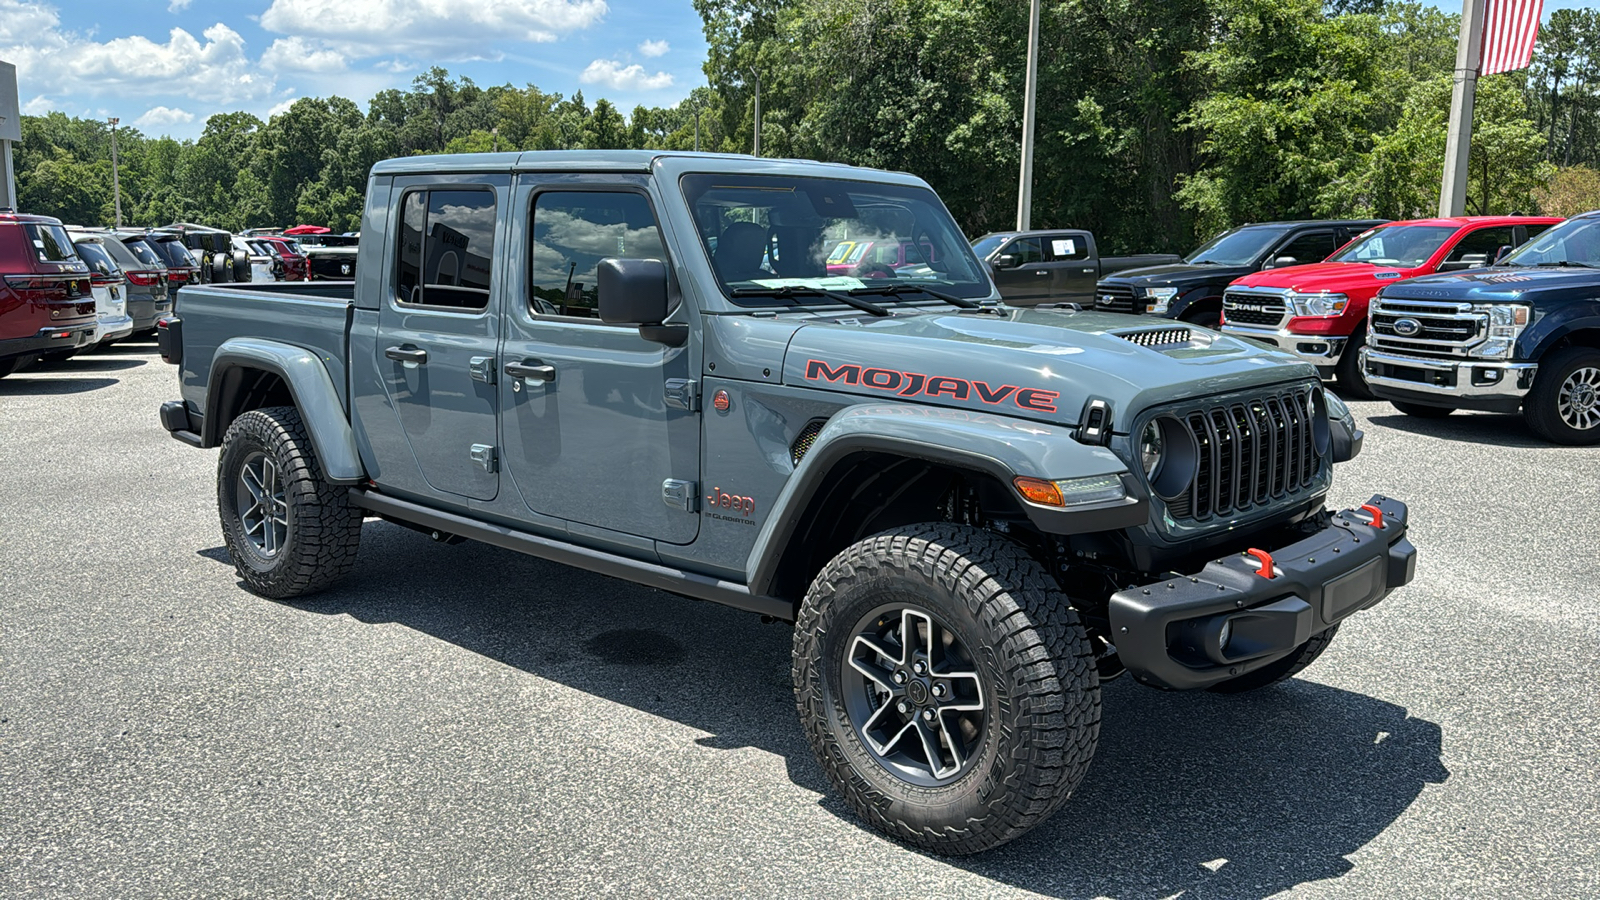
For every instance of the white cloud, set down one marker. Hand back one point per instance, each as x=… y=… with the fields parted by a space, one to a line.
x=654 y=48
x=60 y=63
x=281 y=107
x=432 y=29
x=163 y=117
x=296 y=54
x=615 y=75
x=174 y=6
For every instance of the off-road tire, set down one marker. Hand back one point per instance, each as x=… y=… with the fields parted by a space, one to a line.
x=1353 y=381
x=1423 y=411
x=1542 y=410
x=323 y=528
x=1282 y=670
x=1210 y=316
x=1042 y=716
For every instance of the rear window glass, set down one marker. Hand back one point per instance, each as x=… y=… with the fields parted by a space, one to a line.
x=99 y=261
x=50 y=243
x=174 y=252
x=142 y=252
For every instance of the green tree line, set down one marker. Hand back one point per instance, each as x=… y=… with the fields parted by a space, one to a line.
x=1159 y=121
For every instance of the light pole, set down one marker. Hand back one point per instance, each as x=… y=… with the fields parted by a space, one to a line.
x=116 y=183
x=496 y=132
x=697 y=126
x=1030 y=93
x=758 y=114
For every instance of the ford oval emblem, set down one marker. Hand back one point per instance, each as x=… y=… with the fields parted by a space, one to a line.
x=1407 y=327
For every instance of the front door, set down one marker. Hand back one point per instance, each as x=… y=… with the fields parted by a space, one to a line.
x=1027 y=282
x=436 y=339
x=591 y=431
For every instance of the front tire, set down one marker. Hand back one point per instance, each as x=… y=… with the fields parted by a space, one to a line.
x=946 y=686
x=288 y=530
x=1282 y=670
x=1352 y=380
x=1564 y=405
x=1423 y=411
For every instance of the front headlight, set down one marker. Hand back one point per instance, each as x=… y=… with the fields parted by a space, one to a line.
x=1319 y=305
x=1157 y=299
x=1150 y=447
x=1506 y=321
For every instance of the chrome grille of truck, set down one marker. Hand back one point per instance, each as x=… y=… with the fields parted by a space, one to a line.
x=1252 y=452
x=1241 y=308
x=1436 y=330
x=1114 y=298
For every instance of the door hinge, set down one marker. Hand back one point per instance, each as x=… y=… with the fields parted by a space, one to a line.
x=680 y=494
x=484 y=455
x=683 y=393
x=482 y=368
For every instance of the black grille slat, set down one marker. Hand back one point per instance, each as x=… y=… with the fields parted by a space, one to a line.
x=1252 y=453
x=1113 y=298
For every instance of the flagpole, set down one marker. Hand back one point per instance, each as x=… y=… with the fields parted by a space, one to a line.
x=1031 y=90
x=1458 y=141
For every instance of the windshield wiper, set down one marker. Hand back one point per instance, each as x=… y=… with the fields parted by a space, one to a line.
x=895 y=290
x=1566 y=262
x=784 y=293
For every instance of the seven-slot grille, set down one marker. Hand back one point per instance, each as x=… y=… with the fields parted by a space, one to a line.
x=1437 y=330
x=1252 y=452
x=1114 y=298
x=1253 y=309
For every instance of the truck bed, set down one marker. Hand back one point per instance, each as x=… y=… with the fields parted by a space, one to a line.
x=313 y=315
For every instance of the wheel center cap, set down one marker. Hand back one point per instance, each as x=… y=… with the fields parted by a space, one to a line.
x=1583 y=397
x=917 y=692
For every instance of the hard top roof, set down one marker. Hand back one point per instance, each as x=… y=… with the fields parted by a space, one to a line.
x=668 y=162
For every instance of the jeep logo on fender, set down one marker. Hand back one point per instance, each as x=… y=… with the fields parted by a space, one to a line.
x=911 y=384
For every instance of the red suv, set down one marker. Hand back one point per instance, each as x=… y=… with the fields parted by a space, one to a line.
x=295 y=266
x=46 y=300
x=1319 y=311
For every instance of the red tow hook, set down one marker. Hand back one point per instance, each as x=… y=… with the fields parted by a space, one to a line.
x=1377 y=515
x=1265 y=559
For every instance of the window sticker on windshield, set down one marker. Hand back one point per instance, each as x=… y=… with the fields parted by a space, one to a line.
x=1064 y=247
x=835 y=283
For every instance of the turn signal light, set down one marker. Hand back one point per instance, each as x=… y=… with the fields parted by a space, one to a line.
x=1037 y=490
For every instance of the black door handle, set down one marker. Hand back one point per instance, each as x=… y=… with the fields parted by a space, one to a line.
x=532 y=368
x=406 y=354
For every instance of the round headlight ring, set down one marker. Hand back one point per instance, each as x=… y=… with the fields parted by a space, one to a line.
x=1180 y=457
x=1150 y=447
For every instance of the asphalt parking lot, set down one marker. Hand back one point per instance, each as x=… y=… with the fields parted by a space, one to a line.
x=465 y=722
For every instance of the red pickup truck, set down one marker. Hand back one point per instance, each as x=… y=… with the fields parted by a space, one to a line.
x=1319 y=311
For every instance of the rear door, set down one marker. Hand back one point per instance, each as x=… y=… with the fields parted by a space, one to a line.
x=1074 y=269
x=599 y=424
x=437 y=335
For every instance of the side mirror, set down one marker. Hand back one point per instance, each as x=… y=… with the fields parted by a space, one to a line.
x=1500 y=252
x=634 y=292
x=1282 y=261
x=1005 y=261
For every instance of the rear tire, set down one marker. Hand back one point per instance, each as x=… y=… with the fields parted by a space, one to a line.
x=1564 y=405
x=1352 y=380
x=972 y=759
x=1282 y=670
x=288 y=530
x=1422 y=411
x=11 y=365
x=1208 y=318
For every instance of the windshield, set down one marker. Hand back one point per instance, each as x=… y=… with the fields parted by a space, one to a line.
x=1238 y=247
x=769 y=232
x=50 y=243
x=986 y=245
x=1573 y=242
x=143 y=253
x=99 y=262
x=1402 y=246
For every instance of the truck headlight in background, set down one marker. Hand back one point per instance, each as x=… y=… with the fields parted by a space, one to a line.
x=1506 y=321
x=1157 y=299
x=1322 y=305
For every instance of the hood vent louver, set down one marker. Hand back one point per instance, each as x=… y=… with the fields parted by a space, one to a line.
x=803 y=441
x=1161 y=337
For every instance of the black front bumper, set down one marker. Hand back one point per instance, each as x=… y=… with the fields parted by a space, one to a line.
x=1170 y=633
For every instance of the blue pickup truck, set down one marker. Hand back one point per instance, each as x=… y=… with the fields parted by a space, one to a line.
x=1522 y=334
x=638 y=363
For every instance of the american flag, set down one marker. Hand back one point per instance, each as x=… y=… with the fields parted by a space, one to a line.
x=1509 y=29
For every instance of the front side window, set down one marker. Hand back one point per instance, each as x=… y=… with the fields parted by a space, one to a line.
x=1477 y=248
x=769 y=239
x=1026 y=250
x=572 y=232
x=1403 y=246
x=446 y=249
x=50 y=243
x=1310 y=248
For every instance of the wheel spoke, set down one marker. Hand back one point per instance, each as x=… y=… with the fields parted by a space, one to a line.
x=872 y=723
x=952 y=741
x=930 y=748
x=910 y=634
x=974 y=702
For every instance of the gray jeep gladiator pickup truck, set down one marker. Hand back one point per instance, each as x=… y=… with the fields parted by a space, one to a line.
x=637 y=363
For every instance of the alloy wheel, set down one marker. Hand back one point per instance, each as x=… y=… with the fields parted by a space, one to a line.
x=1579 y=399
x=262 y=507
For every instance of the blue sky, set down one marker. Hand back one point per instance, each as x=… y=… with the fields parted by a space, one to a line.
x=165 y=65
